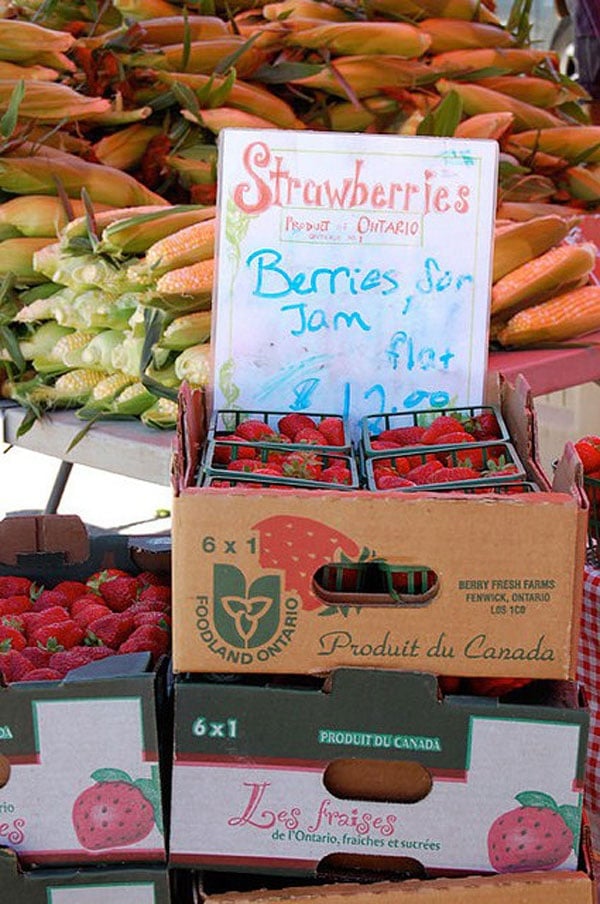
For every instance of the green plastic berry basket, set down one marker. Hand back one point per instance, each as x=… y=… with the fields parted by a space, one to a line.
x=212 y=470
x=225 y=420
x=451 y=456
x=374 y=424
x=375 y=582
x=592 y=489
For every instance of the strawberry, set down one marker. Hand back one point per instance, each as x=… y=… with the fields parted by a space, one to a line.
x=96 y=579
x=243 y=464
x=46 y=674
x=114 y=812
x=392 y=482
x=401 y=465
x=444 y=423
x=64 y=634
x=269 y=471
x=110 y=630
x=47 y=598
x=63 y=661
x=382 y=445
x=451 y=475
x=14 y=605
x=88 y=599
x=147 y=639
x=119 y=592
x=13 y=665
x=337 y=473
x=495 y=687
x=149 y=579
x=300 y=546
x=311 y=437
x=484 y=426
x=303 y=465
x=38 y=657
x=449 y=684
x=71 y=589
x=589 y=455
x=425 y=473
x=13 y=586
x=160 y=619
x=86 y=615
x=222 y=453
x=291 y=424
x=254 y=431
x=534 y=836
x=454 y=439
x=51 y=616
x=332 y=429
x=480 y=458
x=11 y=639
x=155 y=595
x=402 y=436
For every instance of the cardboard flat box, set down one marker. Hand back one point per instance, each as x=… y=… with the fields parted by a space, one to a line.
x=508 y=569
x=105 y=728
x=102 y=885
x=375 y=766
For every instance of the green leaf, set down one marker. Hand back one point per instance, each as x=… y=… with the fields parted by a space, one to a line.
x=572 y=817
x=286 y=72
x=30 y=418
x=152 y=794
x=443 y=120
x=328 y=610
x=229 y=61
x=8 y=122
x=187 y=98
x=11 y=344
x=536 y=799
x=111 y=775
x=187 y=42
x=574 y=111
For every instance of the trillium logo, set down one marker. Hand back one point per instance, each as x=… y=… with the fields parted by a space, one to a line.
x=245 y=616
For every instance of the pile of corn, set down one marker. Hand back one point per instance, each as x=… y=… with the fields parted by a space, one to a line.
x=121 y=103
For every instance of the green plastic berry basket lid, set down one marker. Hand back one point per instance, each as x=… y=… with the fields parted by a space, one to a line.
x=373 y=425
x=376 y=579
x=225 y=420
x=214 y=465
x=494 y=457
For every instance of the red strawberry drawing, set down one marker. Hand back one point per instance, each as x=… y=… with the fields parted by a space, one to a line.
x=300 y=546
x=117 y=811
x=539 y=834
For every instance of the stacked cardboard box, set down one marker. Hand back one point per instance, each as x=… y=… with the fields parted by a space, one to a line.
x=312 y=740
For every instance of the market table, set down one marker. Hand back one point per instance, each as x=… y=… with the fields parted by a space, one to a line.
x=552 y=369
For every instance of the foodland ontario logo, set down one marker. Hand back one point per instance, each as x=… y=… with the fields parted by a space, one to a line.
x=247 y=620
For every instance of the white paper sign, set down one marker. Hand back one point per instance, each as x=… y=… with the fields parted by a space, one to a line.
x=353 y=271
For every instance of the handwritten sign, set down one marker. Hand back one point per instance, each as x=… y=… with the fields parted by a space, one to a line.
x=353 y=271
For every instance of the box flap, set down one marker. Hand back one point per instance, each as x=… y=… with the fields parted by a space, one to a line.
x=29 y=534
x=191 y=433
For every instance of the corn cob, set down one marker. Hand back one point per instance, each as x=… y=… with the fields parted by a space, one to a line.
x=21 y=41
x=566 y=316
x=133 y=400
x=75 y=387
x=227 y=117
x=17 y=258
x=244 y=96
x=266 y=36
x=78 y=228
x=145 y=9
x=97 y=354
x=419 y=9
x=173 y=29
x=109 y=388
x=196 y=280
x=570 y=142
x=34 y=72
x=201 y=56
x=51 y=136
x=367 y=75
x=137 y=234
x=51 y=101
x=461 y=35
x=512 y=60
x=36 y=216
x=344 y=38
x=540 y=92
x=486 y=125
x=125 y=148
x=348 y=117
x=36 y=175
x=191 y=329
x=524 y=241
x=193 y=365
x=308 y=9
x=538 y=161
x=182 y=248
x=162 y=415
x=43 y=340
x=547 y=273
x=476 y=99
x=195 y=172
x=68 y=349
x=582 y=183
x=520 y=212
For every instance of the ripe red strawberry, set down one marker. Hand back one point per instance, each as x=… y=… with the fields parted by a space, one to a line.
x=243 y=464
x=454 y=439
x=86 y=615
x=14 y=605
x=254 y=431
x=495 y=687
x=41 y=675
x=160 y=619
x=589 y=455
x=114 y=812
x=400 y=465
x=47 y=598
x=269 y=471
x=402 y=436
x=60 y=635
x=444 y=423
x=14 y=586
x=51 y=616
x=291 y=424
x=222 y=453
x=110 y=630
x=119 y=592
x=71 y=589
x=150 y=579
x=332 y=429
x=425 y=473
x=98 y=577
x=64 y=661
x=88 y=599
x=392 y=482
x=484 y=426
x=536 y=835
x=38 y=657
x=147 y=639
x=300 y=546
x=382 y=445
x=311 y=437
x=11 y=639
x=13 y=665
x=337 y=473
x=303 y=465
x=451 y=475
x=480 y=458
x=155 y=595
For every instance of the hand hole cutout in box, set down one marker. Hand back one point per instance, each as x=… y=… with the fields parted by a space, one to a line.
x=368 y=868
x=375 y=583
x=385 y=781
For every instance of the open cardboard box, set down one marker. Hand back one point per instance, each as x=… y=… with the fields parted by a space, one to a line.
x=113 y=716
x=375 y=767
x=509 y=570
x=101 y=885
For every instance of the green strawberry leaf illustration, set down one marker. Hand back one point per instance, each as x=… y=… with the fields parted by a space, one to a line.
x=328 y=610
x=111 y=775
x=536 y=799
x=572 y=817
x=151 y=792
